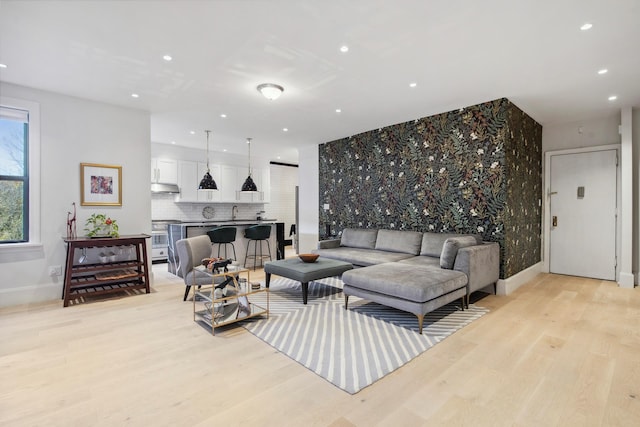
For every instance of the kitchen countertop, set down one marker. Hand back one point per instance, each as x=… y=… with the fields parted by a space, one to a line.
x=227 y=222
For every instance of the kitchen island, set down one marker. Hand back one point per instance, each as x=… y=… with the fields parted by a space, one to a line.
x=191 y=229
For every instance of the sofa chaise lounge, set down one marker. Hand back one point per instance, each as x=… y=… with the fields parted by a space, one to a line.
x=413 y=271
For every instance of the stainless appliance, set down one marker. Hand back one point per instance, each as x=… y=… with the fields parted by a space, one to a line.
x=160 y=239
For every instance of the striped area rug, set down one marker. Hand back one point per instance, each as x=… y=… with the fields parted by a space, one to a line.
x=354 y=348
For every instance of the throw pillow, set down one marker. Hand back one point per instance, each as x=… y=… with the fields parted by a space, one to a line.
x=450 y=249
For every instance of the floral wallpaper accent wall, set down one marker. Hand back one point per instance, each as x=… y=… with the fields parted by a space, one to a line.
x=473 y=170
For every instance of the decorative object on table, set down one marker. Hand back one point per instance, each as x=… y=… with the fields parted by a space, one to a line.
x=217 y=265
x=208 y=212
x=337 y=355
x=249 y=185
x=207 y=183
x=71 y=223
x=100 y=185
x=255 y=286
x=308 y=257
x=100 y=225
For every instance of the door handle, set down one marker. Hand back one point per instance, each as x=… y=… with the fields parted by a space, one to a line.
x=554 y=221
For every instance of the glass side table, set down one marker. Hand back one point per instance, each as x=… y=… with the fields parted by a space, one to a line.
x=231 y=301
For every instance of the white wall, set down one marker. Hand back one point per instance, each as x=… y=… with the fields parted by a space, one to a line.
x=75 y=131
x=586 y=133
x=284 y=180
x=308 y=196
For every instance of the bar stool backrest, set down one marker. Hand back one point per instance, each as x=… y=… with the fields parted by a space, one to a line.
x=258 y=232
x=222 y=235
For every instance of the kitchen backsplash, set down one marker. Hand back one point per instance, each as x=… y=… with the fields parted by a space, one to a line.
x=164 y=207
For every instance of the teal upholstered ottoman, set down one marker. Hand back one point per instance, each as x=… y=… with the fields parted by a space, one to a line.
x=303 y=272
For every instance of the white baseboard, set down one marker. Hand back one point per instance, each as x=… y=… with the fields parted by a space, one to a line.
x=510 y=284
x=626 y=280
x=31 y=294
x=39 y=293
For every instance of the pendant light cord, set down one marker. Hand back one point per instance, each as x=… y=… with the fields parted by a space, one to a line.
x=208 y=132
x=249 y=142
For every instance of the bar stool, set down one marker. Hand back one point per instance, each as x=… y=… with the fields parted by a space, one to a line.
x=223 y=236
x=257 y=234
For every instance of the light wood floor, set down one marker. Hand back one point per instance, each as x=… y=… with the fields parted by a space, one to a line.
x=561 y=351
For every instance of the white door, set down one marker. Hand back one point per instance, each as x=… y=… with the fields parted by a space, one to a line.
x=583 y=191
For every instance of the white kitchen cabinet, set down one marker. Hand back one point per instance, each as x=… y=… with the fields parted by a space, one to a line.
x=188 y=181
x=228 y=183
x=209 y=196
x=229 y=180
x=191 y=174
x=164 y=171
x=261 y=178
x=266 y=185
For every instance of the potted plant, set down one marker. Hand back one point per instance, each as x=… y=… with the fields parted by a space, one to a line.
x=100 y=225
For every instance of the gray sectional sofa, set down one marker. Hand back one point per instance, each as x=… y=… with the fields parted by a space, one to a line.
x=413 y=271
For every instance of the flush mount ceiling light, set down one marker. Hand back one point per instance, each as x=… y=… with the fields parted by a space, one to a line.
x=270 y=91
x=249 y=185
x=207 y=182
x=586 y=26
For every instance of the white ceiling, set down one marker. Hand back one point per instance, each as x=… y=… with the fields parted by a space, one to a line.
x=460 y=52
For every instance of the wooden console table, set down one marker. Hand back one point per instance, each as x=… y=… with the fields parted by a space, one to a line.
x=82 y=280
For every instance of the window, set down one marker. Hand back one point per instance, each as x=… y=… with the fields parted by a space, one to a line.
x=19 y=176
x=14 y=175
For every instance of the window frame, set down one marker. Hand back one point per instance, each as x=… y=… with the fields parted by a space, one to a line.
x=8 y=251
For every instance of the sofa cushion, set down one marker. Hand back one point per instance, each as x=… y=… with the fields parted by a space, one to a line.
x=359 y=238
x=450 y=249
x=399 y=241
x=432 y=243
x=361 y=257
x=422 y=261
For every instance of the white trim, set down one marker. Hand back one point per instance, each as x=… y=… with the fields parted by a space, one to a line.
x=510 y=284
x=32 y=294
x=33 y=247
x=625 y=212
x=546 y=228
x=626 y=280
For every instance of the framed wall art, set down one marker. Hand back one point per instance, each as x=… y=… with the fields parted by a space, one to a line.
x=100 y=185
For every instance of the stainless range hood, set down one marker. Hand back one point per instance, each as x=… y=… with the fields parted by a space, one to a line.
x=164 y=188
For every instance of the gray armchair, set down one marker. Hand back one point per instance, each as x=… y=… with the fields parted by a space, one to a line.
x=191 y=252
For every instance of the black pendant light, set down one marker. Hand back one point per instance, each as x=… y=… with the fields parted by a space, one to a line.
x=249 y=185
x=207 y=182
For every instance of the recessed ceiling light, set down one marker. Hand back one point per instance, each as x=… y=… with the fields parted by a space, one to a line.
x=173 y=142
x=613 y=98
x=167 y=58
x=338 y=110
x=224 y=149
x=135 y=95
x=285 y=129
x=344 y=48
x=278 y=157
x=586 y=26
x=192 y=132
x=3 y=66
x=413 y=84
x=603 y=71
x=224 y=116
